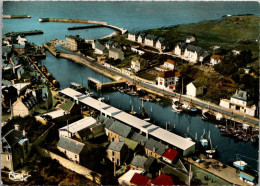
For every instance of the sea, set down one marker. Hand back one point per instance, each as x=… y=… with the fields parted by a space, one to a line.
x=133 y=16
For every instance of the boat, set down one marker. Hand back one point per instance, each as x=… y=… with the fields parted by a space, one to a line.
x=208 y=114
x=189 y=107
x=102 y=99
x=240 y=164
x=75 y=85
x=210 y=152
x=176 y=105
x=132 y=111
x=219 y=117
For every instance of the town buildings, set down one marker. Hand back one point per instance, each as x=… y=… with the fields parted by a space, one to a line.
x=138 y=64
x=215 y=59
x=117 y=152
x=74 y=42
x=169 y=64
x=168 y=79
x=116 y=53
x=194 y=88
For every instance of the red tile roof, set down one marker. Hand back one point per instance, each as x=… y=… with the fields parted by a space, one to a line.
x=170 y=73
x=139 y=179
x=170 y=154
x=163 y=179
x=170 y=61
x=218 y=57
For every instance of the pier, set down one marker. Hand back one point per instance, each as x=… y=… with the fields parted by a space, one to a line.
x=104 y=24
x=84 y=27
x=109 y=85
x=16 y=16
x=25 y=33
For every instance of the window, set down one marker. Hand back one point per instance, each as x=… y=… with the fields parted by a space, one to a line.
x=76 y=156
x=151 y=153
x=65 y=151
x=8 y=157
x=113 y=153
x=118 y=161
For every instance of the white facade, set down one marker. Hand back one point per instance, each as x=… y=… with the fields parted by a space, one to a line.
x=21 y=40
x=193 y=91
x=167 y=160
x=177 y=50
x=190 y=39
x=139 y=39
x=191 y=56
x=148 y=42
x=140 y=52
x=131 y=37
x=214 y=61
x=165 y=82
x=168 y=65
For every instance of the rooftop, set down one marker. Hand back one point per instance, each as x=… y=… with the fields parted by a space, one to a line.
x=79 y=125
x=155 y=146
x=242 y=95
x=12 y=137
x=163 y=179
x=197 y=83
x=70 y=145
x=218 y=57
x=128 y=175
x=120 y=129
x=116 y=146
x=193 y=48
x=139 y=179
x=169 y=74
x=67 y=106
x=170 y=154
x=56 y=113
x=139 y=161
x=138 y=138
x=170 y=61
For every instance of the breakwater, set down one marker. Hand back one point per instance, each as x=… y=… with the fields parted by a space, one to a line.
x=16 y=16
x=25 y=33
x=84 y=27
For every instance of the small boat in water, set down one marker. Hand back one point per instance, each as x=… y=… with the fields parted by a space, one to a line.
x=176 y=105
x=189 y=108
x=132 y=111
x=208 y=114
x=102 y=99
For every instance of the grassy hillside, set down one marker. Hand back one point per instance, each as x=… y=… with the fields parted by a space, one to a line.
x=236 y=32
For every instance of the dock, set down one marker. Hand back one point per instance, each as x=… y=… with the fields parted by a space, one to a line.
x=84 y=27
x=25 y=33
x=109 y=85
x=15 y=16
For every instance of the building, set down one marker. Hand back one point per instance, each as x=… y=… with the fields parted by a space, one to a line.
x=111 y=44
x=131 y=36
x=19 y=49
x=195 y=88
x=179 y=49
x=70 y=107
x=190 y=39
x=116 y=53
x=168 y=79
x=73 y=129
x=241 y=101
x=150 y=165
x=71 y=148
x=99 y=48
x=21 y=87
x=25 y=105
x=14 y=149
x=163 y=179
x=169 y=64
x=138 y=163
x=138 y=64
x=170 y=155
x=154 y=148
x=139 y=179
x=204 y=56
x=20 y=72
x=140 y=139
x=126 y=178
x=74 y=42
x=215 y=59
x=133 y=145
x=141 y=38
x=160 y=43
x=21 y=40
x=150 y=40
x=192 y=53
x=118 y=129
x=9 y=95
x=117 y=152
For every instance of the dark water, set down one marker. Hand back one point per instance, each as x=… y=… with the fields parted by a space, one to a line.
x=132 y=16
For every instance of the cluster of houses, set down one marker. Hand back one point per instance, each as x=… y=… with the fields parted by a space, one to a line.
x=147 y=39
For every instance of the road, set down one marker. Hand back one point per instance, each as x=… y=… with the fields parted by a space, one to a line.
x=201 y=103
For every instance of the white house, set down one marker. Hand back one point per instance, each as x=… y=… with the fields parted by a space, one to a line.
x=169 y=64
x=194 y=88
x=215 y=59
x=98 y=47
x=235 y=52
x=138 y=64
x=192 y=53
x=131 y=36
x=141 y=37
x=160 y=43
x=190 y=39
x=240 y=101
x=116 y=53
x=149 y=40
x=168 y=79
x=21 y=40
x=179 y=49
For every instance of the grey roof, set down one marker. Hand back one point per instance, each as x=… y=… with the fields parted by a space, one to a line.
x=15 y=60
x=139 y=138
x=181 y=45
x=142 y=35
x=149 y=162
x=161 y=39
x=116 y=50
x=193 y=48
x=99 y=46
x=131 y=32
x=242 y=95
x=18 y=46
x=29 y=100
x=159 y=147
x=197 y=83
x=204 y=54
x=120 y=129
x=116 y=146
x=189 y=37
x=139 y=161
x=149 y=36
x=12 y=137
x=108 y=122
x=70 y=145
x=6 y=82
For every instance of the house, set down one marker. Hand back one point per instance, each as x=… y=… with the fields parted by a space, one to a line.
x=160 y=43
x=14 y=149
x=20 y=72
x=138 y=64
x=116 y=53
x=150 y=165
x=170 y=155
x=70 y=107
x=71 y=148
x=74 y=42
x=195 y=88
x=6 y=52
x=21 y=87
x=138 y=163
x=192 y=53
x=139 y=179
x=131 y=36
x=140 y=139
x=235 y=52
x=126 y=178
x=204 y=56
x=74 y=128
x=169 y=64
x=154 y=148
x=168 y=79
x=118 y=129
x=241 y=101
x=111 y=44
x=56 y=116
x=141 y=38
x=99 y=48
x=162 y=179
x=20 y=49
x=117 y=152
x=107 y=123
x=190 y=39
x=133 y=145
x=215 y=59
x=21 y=40
x=9 y=96
x=149 y=40
x=179 y=49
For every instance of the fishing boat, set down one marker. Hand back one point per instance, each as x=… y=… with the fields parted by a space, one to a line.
x=219 y=117
x=189 y=108
x=132 y=111
x=176 y=105
x=210 y=152
x=208 y=114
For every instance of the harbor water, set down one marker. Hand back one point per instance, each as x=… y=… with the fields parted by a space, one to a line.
x=133 y=16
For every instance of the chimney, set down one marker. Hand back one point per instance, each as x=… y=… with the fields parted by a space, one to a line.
x=16 y=127
x=24 y=133
x=167 y=146
x=159 y=172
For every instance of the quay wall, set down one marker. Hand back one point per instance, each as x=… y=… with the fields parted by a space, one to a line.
x=89 y=174
x=75 y=21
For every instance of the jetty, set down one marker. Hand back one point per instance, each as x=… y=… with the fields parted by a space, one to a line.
x=25 y=33
x=109 y=85
x=84 y=27
x=15 y=16
x=104 y=24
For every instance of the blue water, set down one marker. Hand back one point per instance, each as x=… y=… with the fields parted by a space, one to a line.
x=133 y=16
